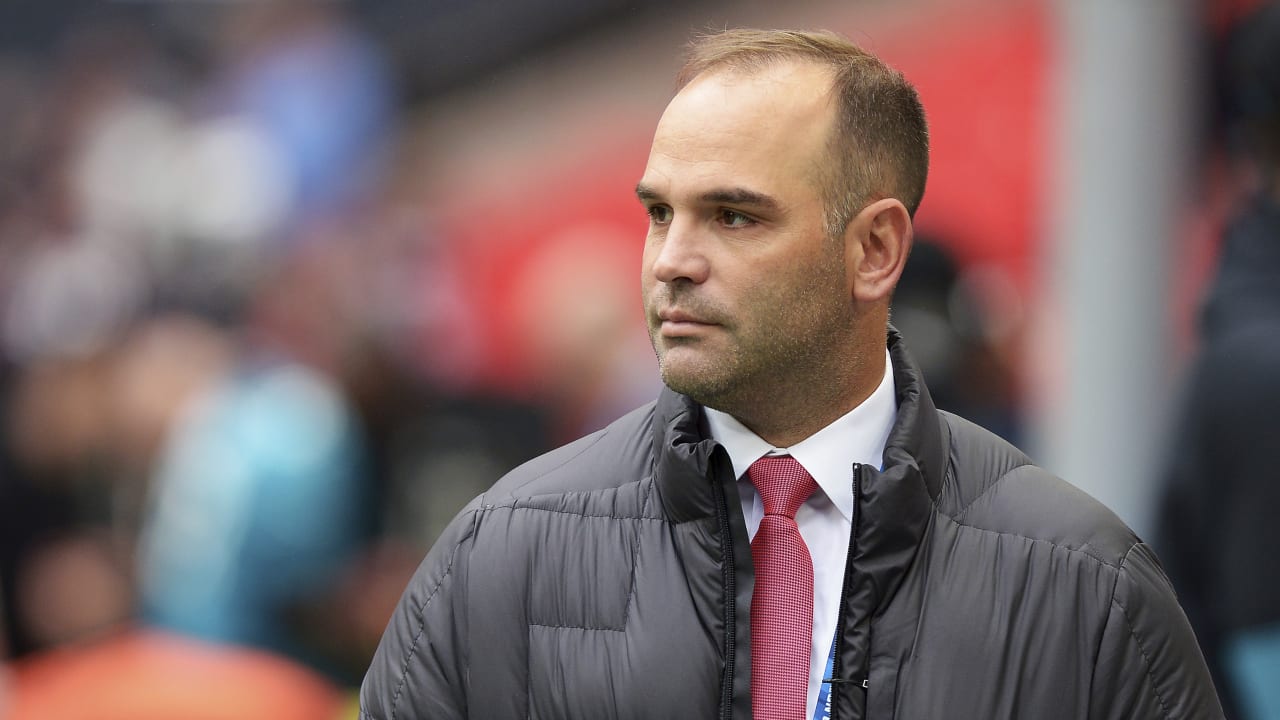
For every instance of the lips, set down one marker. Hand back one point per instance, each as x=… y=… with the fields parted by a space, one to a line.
x=676 y=323
x=671 y=315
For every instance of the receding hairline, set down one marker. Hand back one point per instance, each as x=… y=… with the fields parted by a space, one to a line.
x=889 y=142
x=746 y=50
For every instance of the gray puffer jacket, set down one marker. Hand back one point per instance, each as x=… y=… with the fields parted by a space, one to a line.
x=612 y=578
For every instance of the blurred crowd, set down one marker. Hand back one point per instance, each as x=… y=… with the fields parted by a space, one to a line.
x=235 y=406
x=243 y=377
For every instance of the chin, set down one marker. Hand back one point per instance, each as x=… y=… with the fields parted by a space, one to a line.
x=702 y=384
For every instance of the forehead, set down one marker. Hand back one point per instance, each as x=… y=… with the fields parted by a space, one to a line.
x=765 y=128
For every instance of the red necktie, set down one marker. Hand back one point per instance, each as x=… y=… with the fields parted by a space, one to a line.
x=782 y=603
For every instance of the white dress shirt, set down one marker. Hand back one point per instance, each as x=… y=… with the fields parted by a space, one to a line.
x=826 y=518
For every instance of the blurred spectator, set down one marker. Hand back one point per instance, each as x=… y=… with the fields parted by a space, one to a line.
x=956 y=336
x=257 y=489
x=62 y=573
x=318 y=93
x=1218 y=531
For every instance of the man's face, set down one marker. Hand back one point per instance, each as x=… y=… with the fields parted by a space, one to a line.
x=745 y=294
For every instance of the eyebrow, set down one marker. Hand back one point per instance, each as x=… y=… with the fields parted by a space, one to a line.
x=644 y=192
x=727 y=196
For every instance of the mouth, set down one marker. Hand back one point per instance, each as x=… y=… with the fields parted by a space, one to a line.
x=678 y=323
x=673 y=315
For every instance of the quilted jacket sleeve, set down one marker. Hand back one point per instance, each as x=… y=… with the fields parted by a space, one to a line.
x=1149 y=665
x=419 y=670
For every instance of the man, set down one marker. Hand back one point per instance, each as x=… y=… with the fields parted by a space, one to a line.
x=792 y=530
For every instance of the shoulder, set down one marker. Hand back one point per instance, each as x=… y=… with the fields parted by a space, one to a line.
x=991 y=485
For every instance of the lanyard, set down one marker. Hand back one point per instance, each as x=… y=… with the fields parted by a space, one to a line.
x=822 y=709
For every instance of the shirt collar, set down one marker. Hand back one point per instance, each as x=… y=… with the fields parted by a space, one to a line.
x=828 y=455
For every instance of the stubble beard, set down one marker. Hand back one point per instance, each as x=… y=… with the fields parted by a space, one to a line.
x=709 y=381
x=797 y=353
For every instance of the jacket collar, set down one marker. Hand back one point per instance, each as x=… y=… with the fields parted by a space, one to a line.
x=919 y=439
x=683 y=458
x=894 y=504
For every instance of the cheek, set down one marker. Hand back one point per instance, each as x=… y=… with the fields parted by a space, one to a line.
x=646 y=278
x=801 y=293
x=647 y=258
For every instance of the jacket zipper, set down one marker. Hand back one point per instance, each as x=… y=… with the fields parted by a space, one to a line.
x=837 y=674
x=730 y=601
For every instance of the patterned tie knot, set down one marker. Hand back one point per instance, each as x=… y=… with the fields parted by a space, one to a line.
x=782 y=483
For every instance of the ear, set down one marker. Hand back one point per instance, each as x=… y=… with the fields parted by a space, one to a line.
x=877 y=242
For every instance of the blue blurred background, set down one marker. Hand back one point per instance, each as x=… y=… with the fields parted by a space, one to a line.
x=285 y=283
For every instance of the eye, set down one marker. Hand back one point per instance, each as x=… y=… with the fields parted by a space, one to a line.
x=659 y=214
x=735 y=219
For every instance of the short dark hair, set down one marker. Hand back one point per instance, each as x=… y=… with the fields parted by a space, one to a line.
x=880 y=143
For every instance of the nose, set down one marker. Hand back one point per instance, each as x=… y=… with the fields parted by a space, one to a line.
x=678 y=254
